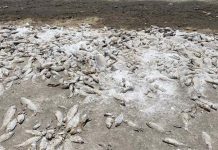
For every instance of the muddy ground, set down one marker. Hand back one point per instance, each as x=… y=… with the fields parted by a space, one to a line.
x=132 y=14
x=95 y=133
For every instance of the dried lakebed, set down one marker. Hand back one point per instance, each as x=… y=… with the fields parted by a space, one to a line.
x=85 y=88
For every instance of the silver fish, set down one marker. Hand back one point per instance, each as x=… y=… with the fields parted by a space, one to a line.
x=59 y=117
x=76 y=139
x=43 y=144
x=185 y=120
x=58 y=68
x=30 y=105
x=109 y=122
x=207 y=139
x=2 y=89
x=18 y=60
x=56 y=142
x=33 y=146
x=203 y=106
x=84 y=119
x=72 y=112
x=119 y=120
x=6 y=136
x=34 y=132
x=8 y=116
x=130 y=123
x=108 y=115
x=120 y=99
x=36 y=126
x=155 y=126
x=9 y=79
x=100 y=61
x=29 y=141
x=11 y=125
x=173 y=142
x=74 y=122
x=21 y=118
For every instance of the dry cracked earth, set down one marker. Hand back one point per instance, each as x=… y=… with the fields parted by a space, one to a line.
x=65 y=87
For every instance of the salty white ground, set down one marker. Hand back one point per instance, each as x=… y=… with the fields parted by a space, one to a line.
x=158 y=74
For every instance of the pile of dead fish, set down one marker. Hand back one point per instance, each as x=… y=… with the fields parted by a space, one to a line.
x=126 y=66
x=13 y=118
x=60 y=136
x=82 y=59
x=50 y=138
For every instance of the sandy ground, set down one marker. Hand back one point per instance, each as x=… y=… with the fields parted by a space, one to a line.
x=96 y=133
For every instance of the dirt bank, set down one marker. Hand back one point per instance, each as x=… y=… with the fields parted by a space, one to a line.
x=195 y=14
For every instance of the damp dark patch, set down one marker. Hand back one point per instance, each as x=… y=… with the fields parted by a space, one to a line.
x=133 y=14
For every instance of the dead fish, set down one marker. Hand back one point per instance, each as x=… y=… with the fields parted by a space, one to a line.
x=63 y=133
x=55 y=73
x=49 y=136
x=30 y=105
x=94 y=77
x=155 y=126
x=76 y=130
x=5 y=72
x=2 y=89
x=28 y=142
x=59 y=117
x=56 y=142
x=2 y=148
x=109 y=122
x=118 y=121
x=74 y=122
x=68 y=145
x=130 y=123
x=173 y=142
x=91 y=90
x=36 y=126
x=89 y=83
x=108 y=115
x=72 y=112
x=203 y=106
x=58 y=68
x=120 y=99
x=210 y=104
x=53 y=83
x=185 y=120
x=6 y=136
x=100 y=61
x=134 y=126
x=76 y=139
x=212 y=81
x=11 y=125
x=18 y=60
x=33 y=146
x=21 y=118
x=9 y=79
x=8 y=116
x=207 y=139
x=47 y=65
x=84 y=119
x=34 y=132
x=43 y=144
x=8 y=85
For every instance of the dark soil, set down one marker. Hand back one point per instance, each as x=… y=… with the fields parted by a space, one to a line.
x=200 y=15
